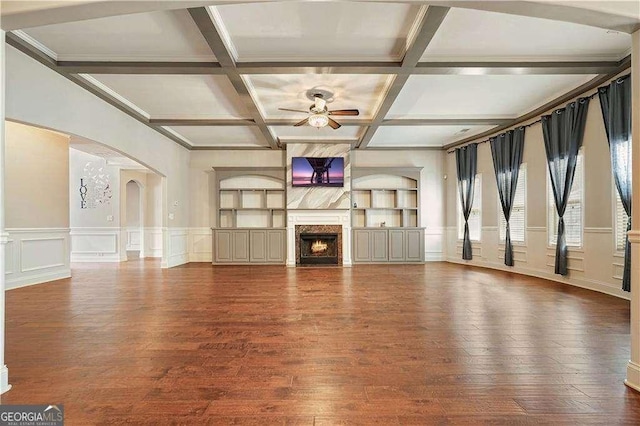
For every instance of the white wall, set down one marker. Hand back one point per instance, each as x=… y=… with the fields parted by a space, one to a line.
x=95 y=230
x=37 y=205
x=596 y=265
x=38 y=95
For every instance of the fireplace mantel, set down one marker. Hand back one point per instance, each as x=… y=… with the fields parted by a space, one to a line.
x=318 y=217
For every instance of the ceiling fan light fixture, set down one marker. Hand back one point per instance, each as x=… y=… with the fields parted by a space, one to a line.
x=318 y=120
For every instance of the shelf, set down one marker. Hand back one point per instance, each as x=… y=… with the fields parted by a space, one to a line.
x=388 y=196
x=251 y=198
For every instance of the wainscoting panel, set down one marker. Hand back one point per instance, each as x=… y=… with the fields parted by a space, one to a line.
x=595 y=268
x=152 y=242
x=95 y=245
x=434 y=239
x=36 y=255
x=134 y=237
x=200 y=245
x=177 y=247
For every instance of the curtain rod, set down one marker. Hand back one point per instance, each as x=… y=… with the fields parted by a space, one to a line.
x=593 y=95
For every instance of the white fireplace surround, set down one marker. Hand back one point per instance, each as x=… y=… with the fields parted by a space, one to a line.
x=318 y=217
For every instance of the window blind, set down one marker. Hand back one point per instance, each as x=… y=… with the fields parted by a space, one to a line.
x=573 y=215
x=475 y=218
x=620 y=223
x=518 y=217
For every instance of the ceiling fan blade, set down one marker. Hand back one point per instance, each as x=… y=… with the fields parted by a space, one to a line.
x=301 y=122
x=344 y=112
x=320 y=103
x=334 y=124
x=293 y=110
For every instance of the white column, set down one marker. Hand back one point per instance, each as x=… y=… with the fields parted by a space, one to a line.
x=4 y=237
x=633 y=368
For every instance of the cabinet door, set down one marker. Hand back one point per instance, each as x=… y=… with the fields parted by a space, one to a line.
x=240 y=251
x=223 y=246
x=414 y=245
x=258 y=245
x=379 y=245
x=276 y=245
x=361 y=250
x=396 y=245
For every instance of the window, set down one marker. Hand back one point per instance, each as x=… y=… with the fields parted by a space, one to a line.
x=620 y=223
x=517 y=222
x=573 y=214
x=475 y=221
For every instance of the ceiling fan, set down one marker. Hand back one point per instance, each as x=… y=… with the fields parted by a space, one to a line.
x=319 y=114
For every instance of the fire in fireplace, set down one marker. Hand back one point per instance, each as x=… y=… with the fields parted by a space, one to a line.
x=318 y=249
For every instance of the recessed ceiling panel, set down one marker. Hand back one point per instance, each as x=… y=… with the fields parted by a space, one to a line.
x=221 y=136
x=479 y=96
x=307 y=132
x=342 y=91
x=318 y=31
x=472 y=35
x=422 y=136
x=178 y=96
x=157 y=36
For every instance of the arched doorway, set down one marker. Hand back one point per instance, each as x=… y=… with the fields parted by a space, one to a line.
x=134 y=220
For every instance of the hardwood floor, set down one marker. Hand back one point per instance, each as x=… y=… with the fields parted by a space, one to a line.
x=415 y=344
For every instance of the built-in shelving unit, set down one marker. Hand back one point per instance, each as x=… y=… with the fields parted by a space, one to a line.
x=385 y=214
x=385 y=197
x=250 y=215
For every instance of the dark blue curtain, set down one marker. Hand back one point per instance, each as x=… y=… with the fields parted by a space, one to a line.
x=466 y=165
x=563 y=131
x=615 y=100
x=506 y=150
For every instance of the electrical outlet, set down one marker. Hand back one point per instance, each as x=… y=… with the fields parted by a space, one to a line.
x=171 y=216
x=110 y=218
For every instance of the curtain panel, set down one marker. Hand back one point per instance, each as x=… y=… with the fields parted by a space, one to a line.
x=615 y=102
x=506 y=150
x=563 y=132
x=466 y=165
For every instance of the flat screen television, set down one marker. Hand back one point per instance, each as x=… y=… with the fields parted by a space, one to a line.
x=318 y=171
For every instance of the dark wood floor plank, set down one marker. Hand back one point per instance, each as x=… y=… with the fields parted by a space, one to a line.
x=376 y=344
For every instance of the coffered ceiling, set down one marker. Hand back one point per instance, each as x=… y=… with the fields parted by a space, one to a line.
x=422 y=76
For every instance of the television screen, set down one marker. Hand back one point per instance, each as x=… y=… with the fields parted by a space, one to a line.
x=318 y=171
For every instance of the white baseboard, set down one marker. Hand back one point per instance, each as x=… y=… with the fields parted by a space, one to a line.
x=633 y=376
x=28 y=280
x=433 y=257
x=95 y=257
x=577 y=282
x=4 y=379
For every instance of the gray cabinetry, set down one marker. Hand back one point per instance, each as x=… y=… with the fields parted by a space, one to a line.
x=396 y=245
x=248 y=245
x=388 y=245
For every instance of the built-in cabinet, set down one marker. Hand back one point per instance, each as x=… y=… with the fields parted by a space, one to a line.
x=388 y=245
x=385 y=215
x=250 y=215
x=249 y=245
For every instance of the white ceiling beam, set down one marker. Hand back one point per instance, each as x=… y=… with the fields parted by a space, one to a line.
x=49 y=62
x=427 y=28
x=394 y=68
x=205 y=23
x=560 y=100
x=138 y=67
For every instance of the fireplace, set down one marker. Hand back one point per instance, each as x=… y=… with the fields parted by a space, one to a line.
x=318 y=249
x=319 y=245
